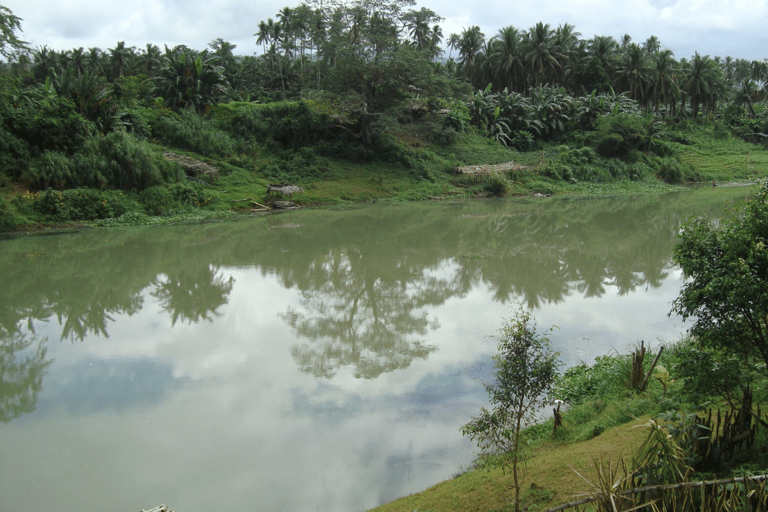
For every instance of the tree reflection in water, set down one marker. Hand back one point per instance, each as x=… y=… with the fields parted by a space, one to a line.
x=192 y=294
x=21 y=375
x=365 y=314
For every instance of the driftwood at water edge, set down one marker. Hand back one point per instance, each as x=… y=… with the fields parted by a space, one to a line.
x=159 y=508
x=254 y=204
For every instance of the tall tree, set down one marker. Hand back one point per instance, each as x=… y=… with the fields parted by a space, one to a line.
x=701 y=82
x=507 y=59
x=652 y=45
x=543 y=58
x=10 y=44
x=634 y=73
x=471 y=42
x=120 y=59
x=665 y=87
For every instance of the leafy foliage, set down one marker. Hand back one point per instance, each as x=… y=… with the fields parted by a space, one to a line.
x=727 y=287
x=116 y=161
x=81 y=204
x=582 y=382
x=9 y=41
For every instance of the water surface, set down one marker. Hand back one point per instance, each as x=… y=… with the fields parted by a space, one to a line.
x=313 y=360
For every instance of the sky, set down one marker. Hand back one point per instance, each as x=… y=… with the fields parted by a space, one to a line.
x=736 y=28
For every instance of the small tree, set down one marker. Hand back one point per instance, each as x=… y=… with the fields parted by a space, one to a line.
x=526 y=368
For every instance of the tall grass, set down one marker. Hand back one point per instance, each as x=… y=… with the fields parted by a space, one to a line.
x=115 y=161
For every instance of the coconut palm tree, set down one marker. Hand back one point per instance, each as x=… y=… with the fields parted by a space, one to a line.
x=453 y=43
x=120 y=59
x=507 y=59
x=150 y=60
x=625 y=40
x=470 y=43
x=665 y=87
x=78 y=60
x=435 y=38
x=543 y=58
x=652 y=45
x=567 y=41
x=702 y=82
x=634 y=73
x=604 y=49
x=44 y=63
x=747 y=95
x=95 y=64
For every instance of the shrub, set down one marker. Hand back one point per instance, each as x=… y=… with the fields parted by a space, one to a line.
x=292 y=124
x=445 y=137
x=526 y=369
x=7 y=217
x=522 y=140
x=54 y=126
x=617 y=135
x=584 y=383
x=55 y=170
x=126 y=163
x=610 y=145
x=14 y=154
x=82 y=204
x=193 y=132
x=166 y=200
x=672 y=171
x=116 y=160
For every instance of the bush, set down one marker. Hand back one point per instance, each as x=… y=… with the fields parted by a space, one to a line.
x=526 y=369
x=496 y=186
x=522 y=140
x=445 y=137
x=193 y=132
x=670 y=172
x=14 y=154
x=54 y=170
x=610 y=145
x=116 y=161
x=82 y=204
x=617 y=135
x=166 y=200
x=54 y=126
x=291 y=124
x=7 y=216
x=583 y=383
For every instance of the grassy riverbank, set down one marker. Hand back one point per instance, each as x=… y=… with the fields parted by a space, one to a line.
x=416 y=167
x=606 y=423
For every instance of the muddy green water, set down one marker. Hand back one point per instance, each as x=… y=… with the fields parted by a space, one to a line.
x=313 y=360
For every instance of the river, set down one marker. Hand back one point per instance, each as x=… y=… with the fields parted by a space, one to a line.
x=313 y=360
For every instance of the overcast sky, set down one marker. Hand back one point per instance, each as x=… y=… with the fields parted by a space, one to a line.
x=738 y=28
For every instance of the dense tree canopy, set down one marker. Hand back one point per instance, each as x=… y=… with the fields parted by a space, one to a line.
x=727 y=288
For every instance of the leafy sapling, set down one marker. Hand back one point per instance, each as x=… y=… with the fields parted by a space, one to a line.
x=526 y=369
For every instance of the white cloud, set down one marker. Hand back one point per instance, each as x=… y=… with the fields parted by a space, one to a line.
x=733 y=28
